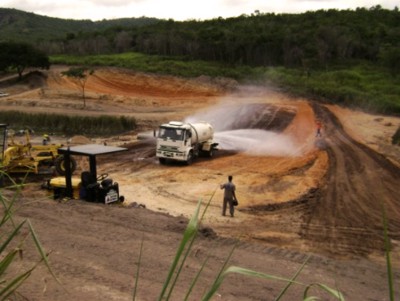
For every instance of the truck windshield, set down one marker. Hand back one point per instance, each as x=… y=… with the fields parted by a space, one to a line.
x=171 y=133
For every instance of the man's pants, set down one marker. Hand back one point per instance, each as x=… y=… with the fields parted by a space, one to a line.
x=231 y=207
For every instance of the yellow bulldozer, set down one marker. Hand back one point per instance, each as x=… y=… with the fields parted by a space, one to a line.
x=23 y=158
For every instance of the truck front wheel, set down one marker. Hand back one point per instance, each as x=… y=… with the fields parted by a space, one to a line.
x=189 y=159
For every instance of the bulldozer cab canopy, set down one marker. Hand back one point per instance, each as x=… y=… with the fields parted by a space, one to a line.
x=90 y=150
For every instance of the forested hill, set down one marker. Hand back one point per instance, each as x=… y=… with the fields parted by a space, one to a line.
x=267 y=39
x=344 y=56
x=20 y=26
x=262 y=39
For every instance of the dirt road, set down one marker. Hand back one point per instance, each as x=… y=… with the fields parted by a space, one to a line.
x=298 y=194
x=346 y=215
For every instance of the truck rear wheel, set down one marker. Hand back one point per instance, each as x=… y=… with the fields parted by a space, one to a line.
x=59 y=164
x=162 y=160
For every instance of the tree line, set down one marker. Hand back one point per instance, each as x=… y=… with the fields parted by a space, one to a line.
x=309 y=40
x=19 y=56
x=20 y=26
x=327 y=54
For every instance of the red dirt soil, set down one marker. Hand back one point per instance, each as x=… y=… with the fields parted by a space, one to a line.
x=299 y=195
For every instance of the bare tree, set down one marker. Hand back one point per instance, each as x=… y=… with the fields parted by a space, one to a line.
x=80 y=75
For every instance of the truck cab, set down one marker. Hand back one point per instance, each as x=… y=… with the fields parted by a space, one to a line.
x=180 y=141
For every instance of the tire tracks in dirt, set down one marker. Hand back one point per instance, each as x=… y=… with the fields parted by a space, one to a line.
x=346 y=216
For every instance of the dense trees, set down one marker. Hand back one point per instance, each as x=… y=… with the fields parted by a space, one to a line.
x=314 y=39
x=311 y=39
x=18 y=56
x=390 y=57
x=20 y=26
x=348 y=56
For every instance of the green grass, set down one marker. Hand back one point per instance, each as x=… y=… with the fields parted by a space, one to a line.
x=362 y=86
x=68 y=125
x=151 y=64
x=388 y=248
x=396 y=137
x=12 y=238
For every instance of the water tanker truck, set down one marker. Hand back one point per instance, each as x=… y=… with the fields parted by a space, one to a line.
x=180 y=141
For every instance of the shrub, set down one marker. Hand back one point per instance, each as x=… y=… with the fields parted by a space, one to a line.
x=69 y=125
x=11 y=244
x=396 y=137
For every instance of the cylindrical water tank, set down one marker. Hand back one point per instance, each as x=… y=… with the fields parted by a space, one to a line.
x=201 y=132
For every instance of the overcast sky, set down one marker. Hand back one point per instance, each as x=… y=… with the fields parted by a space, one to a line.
x=179 y=10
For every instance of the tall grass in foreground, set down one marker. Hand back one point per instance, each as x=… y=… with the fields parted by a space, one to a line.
x=387 y=253
x=184 y=250
x=11 y=244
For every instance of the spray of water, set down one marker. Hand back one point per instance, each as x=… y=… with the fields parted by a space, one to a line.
x=225 y=118
x=256 y=142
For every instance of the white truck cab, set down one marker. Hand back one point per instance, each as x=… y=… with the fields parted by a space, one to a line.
x=184 y=141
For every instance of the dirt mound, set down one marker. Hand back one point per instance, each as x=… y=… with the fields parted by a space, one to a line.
x=122 y=82
x=76 y=140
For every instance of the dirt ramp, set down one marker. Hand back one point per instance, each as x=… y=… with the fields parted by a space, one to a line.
x=30 y=81
x=124 y=82
x=225 y=117
x=346 y=216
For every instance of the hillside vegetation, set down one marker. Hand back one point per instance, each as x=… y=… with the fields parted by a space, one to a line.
x=366 y=86
x=20 y=26
x=350 y=57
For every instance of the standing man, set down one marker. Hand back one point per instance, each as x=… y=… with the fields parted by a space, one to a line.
x=229 y=196
x=319 y=128
x=46 y=139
